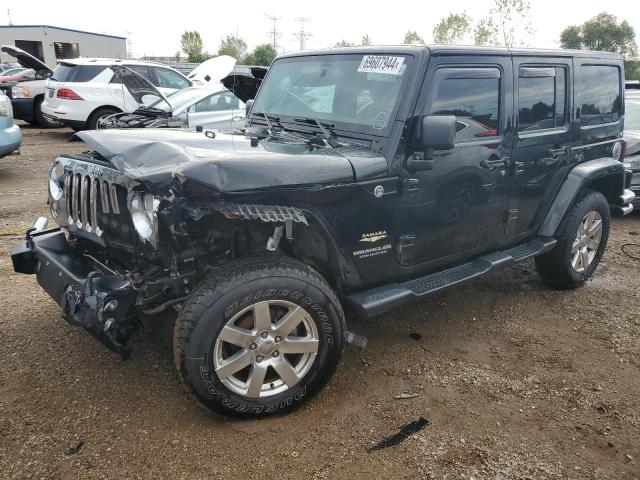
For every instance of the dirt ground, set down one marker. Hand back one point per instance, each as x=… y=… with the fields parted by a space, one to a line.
x=518 y=381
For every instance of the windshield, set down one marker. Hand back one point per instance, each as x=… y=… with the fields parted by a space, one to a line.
x=632 y=114
x=355 y=89
x=181 y=98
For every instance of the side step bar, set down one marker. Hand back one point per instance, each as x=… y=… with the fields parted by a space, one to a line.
x=382 y=299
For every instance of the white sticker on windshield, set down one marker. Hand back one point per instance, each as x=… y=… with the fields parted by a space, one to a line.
x=381 y=64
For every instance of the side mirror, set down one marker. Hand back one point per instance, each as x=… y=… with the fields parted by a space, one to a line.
x=437 y=132
x=247 y=107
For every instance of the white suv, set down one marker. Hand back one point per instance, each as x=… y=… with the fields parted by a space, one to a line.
x=83 y=91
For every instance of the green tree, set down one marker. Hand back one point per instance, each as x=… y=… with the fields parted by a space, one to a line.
x=344 y=43
x=261 y=55
x=233 y=46
x=484 y=32
x=412 y=38
x=177 y=55
x=365 y=40
x=452 y=29
x=603 y=32
x=508 y=24
x=191 y=42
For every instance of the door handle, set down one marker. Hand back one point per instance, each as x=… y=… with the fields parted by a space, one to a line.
x=556 y=152
x=493 y=162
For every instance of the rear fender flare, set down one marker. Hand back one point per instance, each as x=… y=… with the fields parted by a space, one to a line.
x=605 y=175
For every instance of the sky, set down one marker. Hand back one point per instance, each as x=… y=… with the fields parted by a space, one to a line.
x=154 y=29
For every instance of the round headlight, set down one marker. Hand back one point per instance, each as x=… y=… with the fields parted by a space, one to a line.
x=616 y=150
x=55 y=177
x=143 y=208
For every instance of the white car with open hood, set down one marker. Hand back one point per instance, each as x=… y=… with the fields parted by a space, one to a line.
x=212 y=107
x=82 y=92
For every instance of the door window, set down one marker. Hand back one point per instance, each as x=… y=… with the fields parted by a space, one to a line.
x=541 y=98
x=170 y=79
x=218 y=102
x=141 y=70
x=473 y=96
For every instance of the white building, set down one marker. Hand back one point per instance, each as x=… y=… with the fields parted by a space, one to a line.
x=51 y=44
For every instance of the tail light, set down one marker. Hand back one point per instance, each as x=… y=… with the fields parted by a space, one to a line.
x=68 y=94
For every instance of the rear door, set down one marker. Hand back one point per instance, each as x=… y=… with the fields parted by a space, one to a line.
x=542 y=139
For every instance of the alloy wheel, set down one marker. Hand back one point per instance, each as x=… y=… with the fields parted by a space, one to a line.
x=266 y=348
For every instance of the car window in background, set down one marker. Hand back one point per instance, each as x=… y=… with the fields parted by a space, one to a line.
x=170 y=79
x=599 y=94
x=632 y=114
x=68 y=72
x=218 y=102
x=11 y=72
x=180 y=98
x=541 y=98
x=473 y=96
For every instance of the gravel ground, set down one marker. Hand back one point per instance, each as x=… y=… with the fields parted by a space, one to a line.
x=518 y=381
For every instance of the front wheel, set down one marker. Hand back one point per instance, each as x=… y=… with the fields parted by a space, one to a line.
x=580 y=246
x=259 y=337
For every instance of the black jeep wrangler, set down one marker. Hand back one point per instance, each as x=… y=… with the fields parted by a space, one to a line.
x=367 y=177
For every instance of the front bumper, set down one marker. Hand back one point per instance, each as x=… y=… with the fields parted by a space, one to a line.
x=91 y=295
x=635 y=187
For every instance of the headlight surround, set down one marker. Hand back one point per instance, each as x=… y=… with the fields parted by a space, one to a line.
x=56 y=177
x=143 y=208
x=18 y=91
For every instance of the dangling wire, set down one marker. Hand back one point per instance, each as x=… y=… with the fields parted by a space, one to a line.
x=630 y=255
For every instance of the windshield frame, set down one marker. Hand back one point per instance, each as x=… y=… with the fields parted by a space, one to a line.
x=289 y=121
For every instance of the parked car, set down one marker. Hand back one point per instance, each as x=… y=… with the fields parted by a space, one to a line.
x=8 y=66
x=207 y=106
x=632 y=137
x=12 y=71
x=10 y=134
x=27 y=96
x=82 y=92
x=334 y=195
x=24 y=75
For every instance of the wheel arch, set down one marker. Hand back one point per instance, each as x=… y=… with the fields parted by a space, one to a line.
x=604 y=175
x=103 y=107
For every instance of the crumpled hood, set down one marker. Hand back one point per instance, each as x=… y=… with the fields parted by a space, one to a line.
x=25 y=59
x=228 y=163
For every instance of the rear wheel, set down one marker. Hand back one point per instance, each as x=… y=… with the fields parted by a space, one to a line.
x=97 y=117
x=580 y=246
x=259 y=337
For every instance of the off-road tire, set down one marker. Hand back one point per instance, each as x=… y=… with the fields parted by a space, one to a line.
x=554 y=267
x=219 y=297
x=92 y=122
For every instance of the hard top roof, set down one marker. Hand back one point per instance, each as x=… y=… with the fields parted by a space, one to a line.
x=457 y=50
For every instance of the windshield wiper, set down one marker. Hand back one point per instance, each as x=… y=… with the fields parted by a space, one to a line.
x=327 y=135
x=268 y=118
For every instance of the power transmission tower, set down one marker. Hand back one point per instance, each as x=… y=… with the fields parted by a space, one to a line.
x=128 y=34
x=302 y=35
x=273 y=33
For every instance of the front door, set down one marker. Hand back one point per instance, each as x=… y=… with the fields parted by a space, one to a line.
x=542 y=142
x=457 y=208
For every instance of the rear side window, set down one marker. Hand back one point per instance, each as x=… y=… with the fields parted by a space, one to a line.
x=599 y=94
x=141 y=70
x=541 y=98
x=473 y=96
x=170 y=79
x=68 y=72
